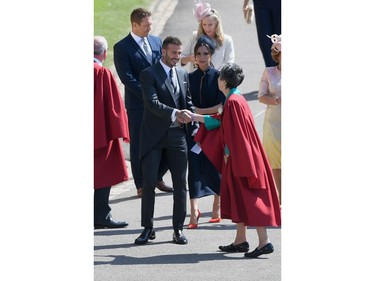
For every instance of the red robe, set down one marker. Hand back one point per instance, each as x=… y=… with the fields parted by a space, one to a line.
x=210 y=142
x=110 y=124
x=248 y=191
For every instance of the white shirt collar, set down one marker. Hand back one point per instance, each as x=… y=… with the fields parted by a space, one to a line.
x=137 y=38
x=98 y=61
x=167 y=68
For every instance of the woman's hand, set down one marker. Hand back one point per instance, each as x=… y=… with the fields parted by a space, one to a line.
x=278 y=100
x=187 y=59
x=245 y=3
x=191 y=58
x=226 y=156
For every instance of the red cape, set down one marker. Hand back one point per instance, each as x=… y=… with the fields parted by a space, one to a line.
x=110 y=124
x=211 y=144
x=248 y=191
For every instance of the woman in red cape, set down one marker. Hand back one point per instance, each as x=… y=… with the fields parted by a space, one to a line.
x=248 y=191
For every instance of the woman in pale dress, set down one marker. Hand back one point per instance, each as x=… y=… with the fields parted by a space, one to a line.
x=209 y=25
x=270 y=94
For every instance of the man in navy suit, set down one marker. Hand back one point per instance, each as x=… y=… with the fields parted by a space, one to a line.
x=137 y=51
x=166 y=99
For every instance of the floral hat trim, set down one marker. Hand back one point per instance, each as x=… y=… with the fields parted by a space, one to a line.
x=201 y=10
x=276 y=42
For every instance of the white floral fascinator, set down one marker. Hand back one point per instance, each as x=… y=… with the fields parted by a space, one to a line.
x=201 y=10
x=276 y=42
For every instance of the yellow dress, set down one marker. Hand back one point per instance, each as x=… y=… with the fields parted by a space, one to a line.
x=270 y=84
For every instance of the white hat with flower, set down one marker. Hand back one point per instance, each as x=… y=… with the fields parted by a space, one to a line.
x=201 y=10
x=276 y=42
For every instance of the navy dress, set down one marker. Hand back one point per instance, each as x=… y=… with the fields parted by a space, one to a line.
x=203 y=178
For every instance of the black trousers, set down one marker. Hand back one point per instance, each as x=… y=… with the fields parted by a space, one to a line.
x=174 y=148
x=268 y=22
x=101 y=204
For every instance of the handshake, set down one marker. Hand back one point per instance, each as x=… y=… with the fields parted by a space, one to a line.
x=184 y=116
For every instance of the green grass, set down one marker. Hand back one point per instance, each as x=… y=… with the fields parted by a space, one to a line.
x=112 y=20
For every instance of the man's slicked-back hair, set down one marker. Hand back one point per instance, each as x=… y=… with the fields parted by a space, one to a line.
x=138 y=14
x=171 y=40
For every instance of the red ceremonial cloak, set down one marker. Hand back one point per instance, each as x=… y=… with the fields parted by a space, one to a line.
x=248 y=192
x=110 y=124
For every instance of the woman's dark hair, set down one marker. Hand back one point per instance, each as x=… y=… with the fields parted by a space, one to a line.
x=232 y=74
x=207 y=42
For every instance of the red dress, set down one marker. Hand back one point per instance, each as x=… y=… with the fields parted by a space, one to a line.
x=248 y=191
x=110 y=124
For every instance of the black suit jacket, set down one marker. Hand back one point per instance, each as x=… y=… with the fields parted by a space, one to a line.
x=159 y=103
x=130 y=60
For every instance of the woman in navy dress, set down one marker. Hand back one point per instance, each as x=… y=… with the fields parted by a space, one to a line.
x=203 y=177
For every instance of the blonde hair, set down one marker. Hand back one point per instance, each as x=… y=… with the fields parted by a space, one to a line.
x=219 y=34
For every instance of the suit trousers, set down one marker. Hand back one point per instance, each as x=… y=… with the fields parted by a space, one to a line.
x=101 y=204
x=173 y=147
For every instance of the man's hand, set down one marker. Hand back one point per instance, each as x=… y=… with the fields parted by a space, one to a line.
x=183 y=116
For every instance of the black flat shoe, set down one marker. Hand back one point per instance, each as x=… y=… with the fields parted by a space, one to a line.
x=266 y=249
x=242 y=247
x=147 y=234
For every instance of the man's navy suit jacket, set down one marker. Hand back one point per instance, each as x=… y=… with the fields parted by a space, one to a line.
x=130 y=60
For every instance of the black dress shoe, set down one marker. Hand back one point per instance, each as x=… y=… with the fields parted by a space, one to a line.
x=163 y=187
x=147 y=234
x=179 y=237
x=242 y=247
x=266 y=249
x=110 y=222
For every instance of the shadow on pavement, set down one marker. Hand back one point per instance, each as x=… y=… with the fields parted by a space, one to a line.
x=251 y=95
x=125 y=231
x=191 y=258
x=135 y=197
